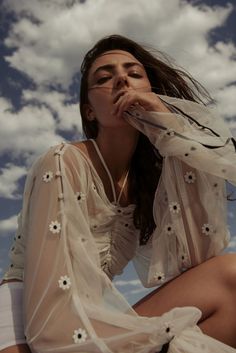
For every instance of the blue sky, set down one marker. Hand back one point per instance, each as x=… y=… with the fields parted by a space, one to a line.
x=42 y=44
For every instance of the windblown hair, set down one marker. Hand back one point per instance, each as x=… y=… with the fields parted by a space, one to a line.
x=146 y=164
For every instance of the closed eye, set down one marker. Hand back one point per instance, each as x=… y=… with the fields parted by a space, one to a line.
x=103 y=79
x=135 y=75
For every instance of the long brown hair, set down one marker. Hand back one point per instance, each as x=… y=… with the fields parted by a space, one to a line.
x=165 y=79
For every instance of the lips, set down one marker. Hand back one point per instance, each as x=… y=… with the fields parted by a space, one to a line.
x=118 y=95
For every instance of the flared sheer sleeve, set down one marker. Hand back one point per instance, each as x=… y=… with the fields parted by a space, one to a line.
x=70 y=305
x=16 y=255
x=17 y=250
x=190 y=202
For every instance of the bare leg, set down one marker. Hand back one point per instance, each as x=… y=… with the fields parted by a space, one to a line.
x=211 y=287
x=19 y=348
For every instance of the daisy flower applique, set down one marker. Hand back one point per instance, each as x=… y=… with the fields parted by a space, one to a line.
x=80 y=196
x=55 y=227
x=168 y=330
x=159 y=277
x=47 y=177
x=174 y=207
x=170 y=132
x=189 y=177
x=207 y=229
x=166 y=133
x=168 y=229
x=79 y=336
x=64 y=282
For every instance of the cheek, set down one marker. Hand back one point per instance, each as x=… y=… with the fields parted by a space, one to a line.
x=100 y=95
x=144 y=86
x=100 y=101
x=149 y=87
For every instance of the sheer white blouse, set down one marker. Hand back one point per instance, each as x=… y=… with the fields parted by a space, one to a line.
x=72 y=240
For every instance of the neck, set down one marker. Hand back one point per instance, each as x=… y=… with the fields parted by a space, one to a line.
x=117 y=148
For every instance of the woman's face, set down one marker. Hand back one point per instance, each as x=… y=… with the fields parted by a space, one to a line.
x=112 y=74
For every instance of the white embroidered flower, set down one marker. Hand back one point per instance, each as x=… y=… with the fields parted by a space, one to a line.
x=79 y=335
x=174 y=207
x=169 y=229
x=168 y=329
x=190 y=177
x=64 y=282
x=159 y=277
x=47 y=176
x=207 y=229
x=169 y=132
x=166 y=133
x=80 y=196
x=55 y=227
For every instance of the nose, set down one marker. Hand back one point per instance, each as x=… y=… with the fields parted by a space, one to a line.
x=121 y=81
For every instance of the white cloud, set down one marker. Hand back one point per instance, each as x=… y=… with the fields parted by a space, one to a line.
x=28 y=132
x=226 y=105
x=8 y=225
x=68 y=115
x=121 y=283
x=9 y=176
x=231 y=215
x=51 y=50
x=137 y=291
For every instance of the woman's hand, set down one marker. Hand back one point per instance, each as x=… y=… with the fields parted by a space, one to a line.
x=148 y=101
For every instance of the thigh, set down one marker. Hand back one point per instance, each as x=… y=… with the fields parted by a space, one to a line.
x=204 y=286
x=19 y=348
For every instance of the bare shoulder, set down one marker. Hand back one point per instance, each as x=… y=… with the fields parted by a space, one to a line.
x=84 y=146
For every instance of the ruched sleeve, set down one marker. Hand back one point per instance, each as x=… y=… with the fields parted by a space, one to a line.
x=70 y=304
x=190 y=201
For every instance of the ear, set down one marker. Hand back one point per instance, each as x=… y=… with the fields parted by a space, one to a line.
x=89 y=112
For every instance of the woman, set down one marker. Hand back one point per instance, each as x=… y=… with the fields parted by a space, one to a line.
x=147 y=185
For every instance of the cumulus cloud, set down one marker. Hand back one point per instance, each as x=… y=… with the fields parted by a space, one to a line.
x=8 y=225
x=122 y=283
x=67 y=114
x=226 y=105
x=51 y=49
x=137 y=291
x=232 y=246
x=9 y=176
x=231 y=214
x=27 y=132
x=50 y=40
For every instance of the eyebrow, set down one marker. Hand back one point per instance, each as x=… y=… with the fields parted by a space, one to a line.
x=111 y=67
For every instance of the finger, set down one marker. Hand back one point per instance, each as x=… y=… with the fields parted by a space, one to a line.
x=121 y=102
x=122 y=105
x=117 y=103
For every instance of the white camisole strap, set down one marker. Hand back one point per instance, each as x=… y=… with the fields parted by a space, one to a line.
x=116 y=200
